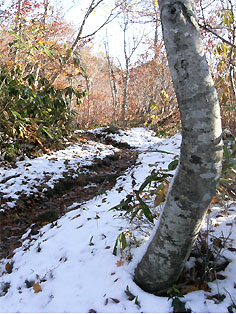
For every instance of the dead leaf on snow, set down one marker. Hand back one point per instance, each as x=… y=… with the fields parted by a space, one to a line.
x=232 y=249
x=215 y=199
x=115 y=300
x=9 y=267
x=37 y=288
x=79 y=227
x=119 y=263
x=204 y=286
x=75 y=216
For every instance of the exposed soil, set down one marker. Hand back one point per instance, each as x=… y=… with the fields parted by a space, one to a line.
x=33 y=212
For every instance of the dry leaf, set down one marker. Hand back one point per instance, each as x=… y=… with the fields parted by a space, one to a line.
x=37 y=288
x=218 y=242
x=115 y=300
x=92 y=311
x=6 y=114
x=79 y=227
x=220 y=277
x=161 y=195
x=9 y=267
x=204 y=286
x=76 y=216
x=215 y=199
x=119 y=263
x=191 y=288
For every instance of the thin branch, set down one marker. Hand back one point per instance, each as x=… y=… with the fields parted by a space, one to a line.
x=89 y=11
x=208 y=29
x=107 y=21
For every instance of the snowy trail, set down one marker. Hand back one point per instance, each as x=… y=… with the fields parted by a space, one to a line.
x=45 y=171
x=69 y=266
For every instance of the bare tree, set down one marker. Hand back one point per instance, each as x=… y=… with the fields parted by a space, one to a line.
x=128 y=49
x=112 y=79
x=93 y=5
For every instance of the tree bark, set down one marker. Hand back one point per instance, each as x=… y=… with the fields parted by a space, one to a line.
x=201 y=150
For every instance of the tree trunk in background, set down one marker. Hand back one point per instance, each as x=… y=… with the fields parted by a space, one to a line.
x=201 y=150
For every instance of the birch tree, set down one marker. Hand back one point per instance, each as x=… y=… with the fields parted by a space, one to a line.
x=201 y=150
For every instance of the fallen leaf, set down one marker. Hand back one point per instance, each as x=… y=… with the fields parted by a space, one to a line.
x=161 y=194
x=218 y=242
x=232 y=249
x=204 y=286
x=220 y=277
x=37 y=288
x=92 y=311
x=9 y=267
x=106 y=302
x=76 y=216
x=119 y=263
x=191 y=288
x=215 y=199
x=115 y=300
x=79 y=227
x=130 y=295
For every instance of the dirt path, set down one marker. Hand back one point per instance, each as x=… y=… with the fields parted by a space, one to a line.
x=33 y=213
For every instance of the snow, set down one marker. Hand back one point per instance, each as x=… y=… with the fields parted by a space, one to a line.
x=72 y=258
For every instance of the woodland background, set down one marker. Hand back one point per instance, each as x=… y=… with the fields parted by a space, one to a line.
x=52 y=81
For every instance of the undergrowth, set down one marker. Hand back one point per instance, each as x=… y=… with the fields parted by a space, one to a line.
x=34 y=115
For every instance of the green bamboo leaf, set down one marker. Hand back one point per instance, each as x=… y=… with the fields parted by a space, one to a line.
x=46 y=131
x=115 y=248
x=49 y=53
x=147 y=181
x=145 y=208
x=173 y=165
x=14 y=34
x=123 y=242
x=227 y=154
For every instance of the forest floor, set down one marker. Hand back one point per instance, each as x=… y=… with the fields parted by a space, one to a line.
x=60 y=228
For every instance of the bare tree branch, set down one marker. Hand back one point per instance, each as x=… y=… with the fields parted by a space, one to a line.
x=209 y=29
x=93 y=5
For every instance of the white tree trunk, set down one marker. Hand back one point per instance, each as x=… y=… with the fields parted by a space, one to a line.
x=201 y=150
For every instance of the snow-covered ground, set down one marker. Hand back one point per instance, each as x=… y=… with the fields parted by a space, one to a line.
x=69 y=265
